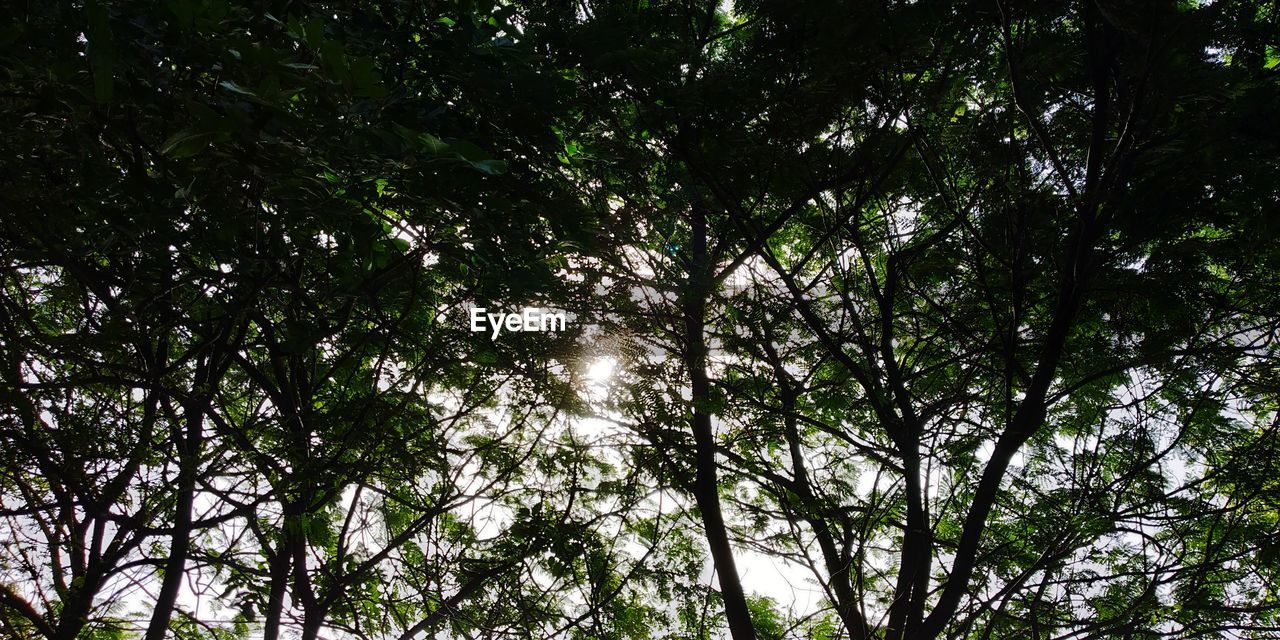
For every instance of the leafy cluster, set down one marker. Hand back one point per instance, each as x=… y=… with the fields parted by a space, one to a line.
x=965 y=312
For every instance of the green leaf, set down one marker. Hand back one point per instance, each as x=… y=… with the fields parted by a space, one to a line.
x=187 y=143
x=488 y=167
x=235 y=88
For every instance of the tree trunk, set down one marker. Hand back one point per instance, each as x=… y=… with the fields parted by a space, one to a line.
x=75 y=612
x=189 y=445
x=705 y=490
x=179 y=547
x=275 y=597
x=907 y=610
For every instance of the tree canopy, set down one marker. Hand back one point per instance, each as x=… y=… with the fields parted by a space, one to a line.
x=898 y=321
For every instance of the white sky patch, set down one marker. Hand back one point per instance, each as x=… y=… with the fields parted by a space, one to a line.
x=788 y=584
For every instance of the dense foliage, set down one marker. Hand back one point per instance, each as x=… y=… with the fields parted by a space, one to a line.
x=940 y=319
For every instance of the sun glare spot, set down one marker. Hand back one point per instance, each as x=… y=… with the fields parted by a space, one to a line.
x=601 y=370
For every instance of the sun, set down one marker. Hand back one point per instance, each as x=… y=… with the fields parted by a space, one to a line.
x=601 y=370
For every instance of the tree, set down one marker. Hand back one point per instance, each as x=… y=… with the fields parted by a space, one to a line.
x=237 y=363
x=937 y=266
x=967 y=310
